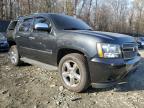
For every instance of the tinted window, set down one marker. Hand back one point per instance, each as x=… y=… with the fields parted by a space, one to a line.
x=69 y=23
x=40 y=20
x=27 y=25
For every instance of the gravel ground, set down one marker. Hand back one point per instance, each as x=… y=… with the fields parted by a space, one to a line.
x=32 y=87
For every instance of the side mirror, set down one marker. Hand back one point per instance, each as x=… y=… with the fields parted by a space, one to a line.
x=42 y=27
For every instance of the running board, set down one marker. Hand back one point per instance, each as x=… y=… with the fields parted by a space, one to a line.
x=39 y=64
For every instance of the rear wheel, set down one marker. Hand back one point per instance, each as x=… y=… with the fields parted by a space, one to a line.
x=14 y=56
x=73 y=70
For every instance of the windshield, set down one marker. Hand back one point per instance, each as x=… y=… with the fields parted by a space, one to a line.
x=69 y=23
x=2 y=36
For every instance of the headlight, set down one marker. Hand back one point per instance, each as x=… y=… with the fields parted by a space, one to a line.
x=108 y=50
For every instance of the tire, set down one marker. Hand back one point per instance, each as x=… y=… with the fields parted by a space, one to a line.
x=14 y=56
x=74 y=73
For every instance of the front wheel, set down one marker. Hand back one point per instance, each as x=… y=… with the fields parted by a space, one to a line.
x=14 y=56
x=73 y=70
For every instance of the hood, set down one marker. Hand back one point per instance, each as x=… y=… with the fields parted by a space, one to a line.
x=106 y=37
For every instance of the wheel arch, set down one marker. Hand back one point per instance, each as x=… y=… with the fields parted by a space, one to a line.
x=11 y=43
x=64 y=51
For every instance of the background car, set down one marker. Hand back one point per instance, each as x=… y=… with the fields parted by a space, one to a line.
x=139 y=38
x=140 y=42
x=10 y=32
x=4 y=46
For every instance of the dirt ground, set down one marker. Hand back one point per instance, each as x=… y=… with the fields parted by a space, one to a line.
x=32 y=87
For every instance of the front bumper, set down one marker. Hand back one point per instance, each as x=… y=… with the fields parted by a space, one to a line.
x=109 y=72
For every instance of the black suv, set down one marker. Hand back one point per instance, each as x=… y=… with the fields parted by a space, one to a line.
x=84 y=57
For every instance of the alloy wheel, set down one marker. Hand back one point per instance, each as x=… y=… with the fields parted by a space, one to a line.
x=71 y=73
x=13 y=57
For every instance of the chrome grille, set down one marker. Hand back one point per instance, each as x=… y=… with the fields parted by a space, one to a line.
x=129 y=50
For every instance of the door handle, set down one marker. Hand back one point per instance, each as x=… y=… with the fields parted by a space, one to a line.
x=32 y=38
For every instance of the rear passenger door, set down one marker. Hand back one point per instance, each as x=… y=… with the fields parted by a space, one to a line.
x=23 y=38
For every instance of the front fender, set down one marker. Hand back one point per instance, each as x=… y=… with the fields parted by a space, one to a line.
x=86 y=46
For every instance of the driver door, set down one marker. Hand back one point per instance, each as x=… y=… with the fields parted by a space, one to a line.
x=44 y=43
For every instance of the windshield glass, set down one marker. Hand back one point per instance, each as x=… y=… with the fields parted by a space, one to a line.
x=69 y=23
x=2 y=36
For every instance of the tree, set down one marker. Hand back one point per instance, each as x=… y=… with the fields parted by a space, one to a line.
x=106 y=15
x=139 y=8
x=1 y=9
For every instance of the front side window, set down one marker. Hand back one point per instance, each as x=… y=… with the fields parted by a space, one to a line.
x=40 y=20
x=27 y=25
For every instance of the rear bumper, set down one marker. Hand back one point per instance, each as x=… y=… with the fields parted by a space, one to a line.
x=108 y=72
